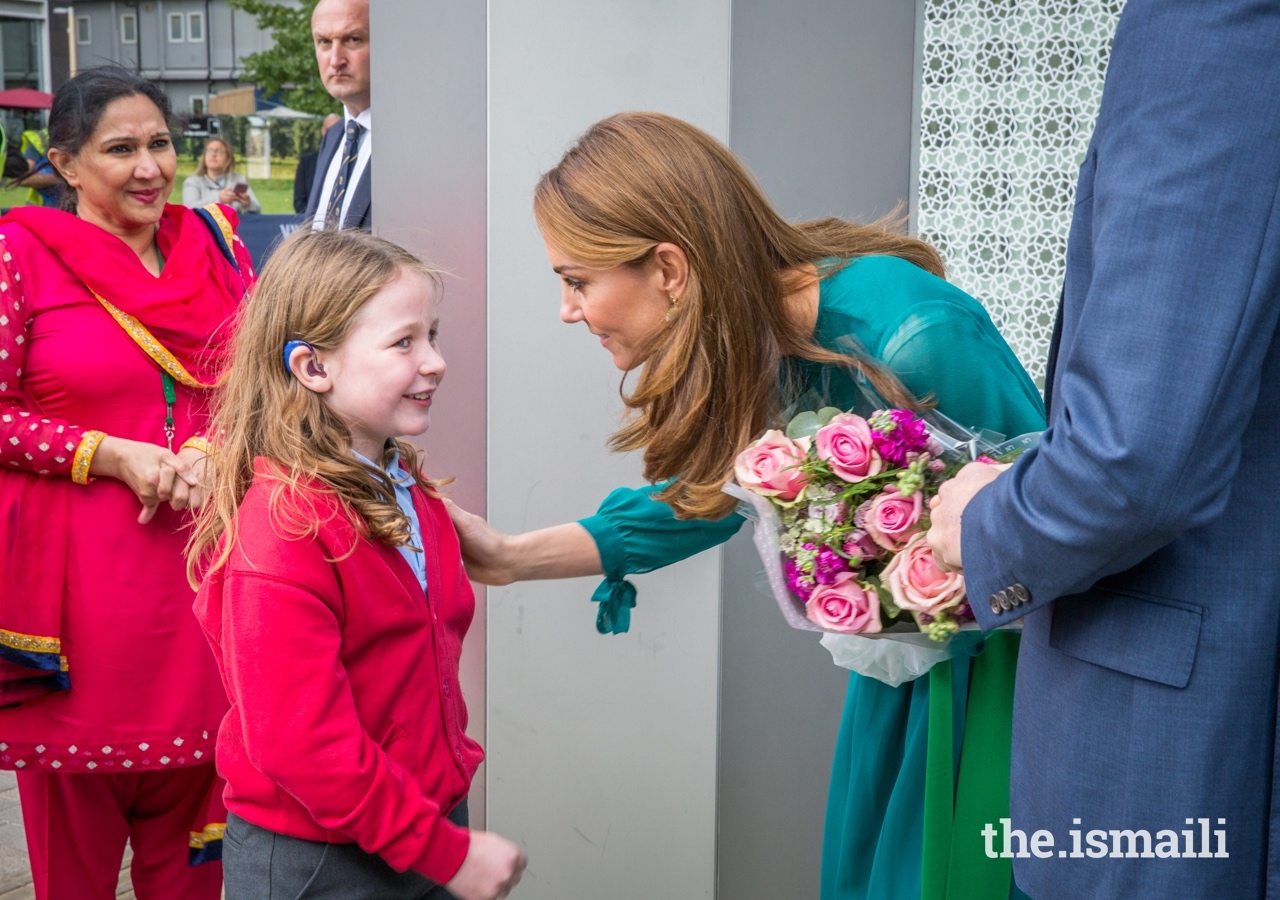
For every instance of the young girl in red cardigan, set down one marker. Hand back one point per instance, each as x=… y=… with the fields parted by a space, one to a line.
x=334 y=595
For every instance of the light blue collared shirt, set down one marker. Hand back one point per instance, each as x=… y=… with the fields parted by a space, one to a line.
x=412 y=552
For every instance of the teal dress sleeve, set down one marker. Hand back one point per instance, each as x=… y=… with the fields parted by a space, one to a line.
x=635 y=534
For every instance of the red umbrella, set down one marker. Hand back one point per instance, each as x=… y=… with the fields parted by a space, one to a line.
x=25 y=98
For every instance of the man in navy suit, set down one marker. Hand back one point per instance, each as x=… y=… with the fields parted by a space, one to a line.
x=1141 y=539
x=341 y=194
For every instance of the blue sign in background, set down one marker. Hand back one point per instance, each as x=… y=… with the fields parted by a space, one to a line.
x=261 y=233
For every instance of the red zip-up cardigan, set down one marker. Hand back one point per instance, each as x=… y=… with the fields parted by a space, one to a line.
x=346 y=721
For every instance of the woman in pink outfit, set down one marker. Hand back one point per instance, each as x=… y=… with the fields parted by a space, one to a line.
x=113 y=317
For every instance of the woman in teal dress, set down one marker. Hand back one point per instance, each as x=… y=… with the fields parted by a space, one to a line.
x=734 y=319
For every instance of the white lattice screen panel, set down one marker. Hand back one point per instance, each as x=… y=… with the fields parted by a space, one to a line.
x=1008 y=97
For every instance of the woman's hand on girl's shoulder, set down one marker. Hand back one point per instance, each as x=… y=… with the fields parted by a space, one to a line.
x=484 y=548
x=491 y=869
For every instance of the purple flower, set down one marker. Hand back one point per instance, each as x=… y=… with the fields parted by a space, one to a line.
x=859 y=546
x=897 y=433
x=827 y=565
x=801 y=585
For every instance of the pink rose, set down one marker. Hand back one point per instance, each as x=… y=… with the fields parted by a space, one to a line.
x=771 y=466
x=891 y=519
x=845 y=444
x=845 y=605
x=919 y=585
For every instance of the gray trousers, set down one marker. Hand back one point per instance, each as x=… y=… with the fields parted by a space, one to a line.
x=258 y=864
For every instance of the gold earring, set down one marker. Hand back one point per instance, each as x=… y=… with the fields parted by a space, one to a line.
x=672 y=311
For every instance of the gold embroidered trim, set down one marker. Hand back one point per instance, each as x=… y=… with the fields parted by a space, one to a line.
x=84 y=456
x=31 y=643
x=150 y=346
x=212 y=832
x=223 y=224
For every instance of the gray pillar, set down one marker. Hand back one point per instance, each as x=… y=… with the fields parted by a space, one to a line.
x=602 y=750
x=429 y=186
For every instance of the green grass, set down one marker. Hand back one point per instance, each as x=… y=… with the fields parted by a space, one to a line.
x=275 y=193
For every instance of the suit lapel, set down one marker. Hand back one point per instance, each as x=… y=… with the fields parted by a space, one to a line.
x=328 y=147
x=361 y=200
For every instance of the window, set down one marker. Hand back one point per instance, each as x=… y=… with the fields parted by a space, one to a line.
x=197 y=106
x=177 y=33
x=129 y=28
x=195 y=27
x=83 y=35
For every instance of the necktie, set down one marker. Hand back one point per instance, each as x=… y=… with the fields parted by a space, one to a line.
x=347 y=168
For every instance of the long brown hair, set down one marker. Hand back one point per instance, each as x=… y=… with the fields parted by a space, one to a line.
x=311 y=289
x=709 y=383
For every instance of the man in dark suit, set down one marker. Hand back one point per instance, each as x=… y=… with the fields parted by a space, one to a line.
x=1141 y=539
x=340 y=193
x=306 y=174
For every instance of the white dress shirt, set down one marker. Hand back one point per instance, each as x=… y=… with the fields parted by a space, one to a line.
x=331 y=175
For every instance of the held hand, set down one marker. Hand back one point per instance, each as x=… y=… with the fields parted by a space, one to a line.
x=228 y=197
x=947 y=508
x=190 y=492
x=484 y=548
x=493 y=867
x=149 y=470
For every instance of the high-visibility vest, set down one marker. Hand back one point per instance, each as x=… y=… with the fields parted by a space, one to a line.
x=39 y=139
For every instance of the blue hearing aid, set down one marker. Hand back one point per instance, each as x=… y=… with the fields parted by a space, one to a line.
x=313 y=366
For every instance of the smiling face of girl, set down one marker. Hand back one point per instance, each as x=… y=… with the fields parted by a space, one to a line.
x=124 y=173
x=381 y=378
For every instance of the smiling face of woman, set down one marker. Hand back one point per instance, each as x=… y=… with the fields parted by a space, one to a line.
x=624 y=305
x=216 y=158
x=124 y=172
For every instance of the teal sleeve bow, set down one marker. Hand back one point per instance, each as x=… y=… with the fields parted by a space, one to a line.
x=617 y=597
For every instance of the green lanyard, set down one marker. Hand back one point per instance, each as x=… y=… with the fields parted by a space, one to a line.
x=170 y=398
x=166 y=381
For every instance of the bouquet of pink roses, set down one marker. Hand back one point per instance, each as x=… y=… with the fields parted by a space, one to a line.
x=846 y=501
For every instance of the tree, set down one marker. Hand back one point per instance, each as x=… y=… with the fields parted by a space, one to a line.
x=288 y=68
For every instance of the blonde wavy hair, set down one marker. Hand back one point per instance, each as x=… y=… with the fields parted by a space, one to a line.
x=710 y=378
x=311 y=290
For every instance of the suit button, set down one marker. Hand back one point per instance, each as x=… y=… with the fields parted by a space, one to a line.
x=995 y=605
x=1021 y=593
x=446 y=687
x=1003 y=597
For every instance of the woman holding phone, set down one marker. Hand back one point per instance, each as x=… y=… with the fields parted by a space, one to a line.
x=217 y=181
